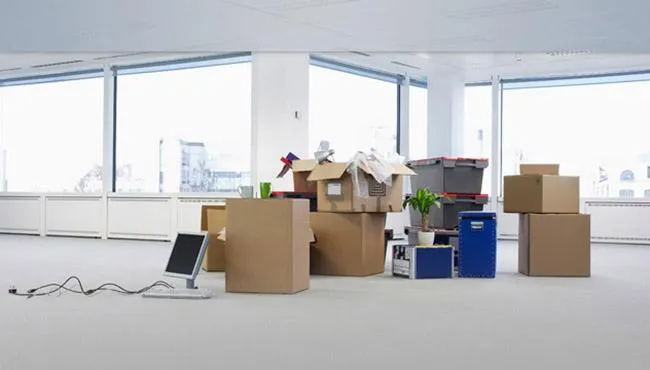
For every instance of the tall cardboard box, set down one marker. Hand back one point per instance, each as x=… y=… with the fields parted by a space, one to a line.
x=213 y=220
x=336 y=191
x=215 y=255
x=301 y=169
x=541 y=194
x=347 y=244
x=267 y=245
x=555 y=245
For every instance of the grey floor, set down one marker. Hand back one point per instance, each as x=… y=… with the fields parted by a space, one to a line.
x=512 y=322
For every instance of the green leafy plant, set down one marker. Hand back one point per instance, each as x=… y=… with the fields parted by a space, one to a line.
x=422 y=201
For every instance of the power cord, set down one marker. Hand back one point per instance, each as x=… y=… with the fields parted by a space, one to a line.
x=56 y=287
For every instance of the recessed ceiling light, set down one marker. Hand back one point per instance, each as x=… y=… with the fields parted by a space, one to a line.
x=423 y=55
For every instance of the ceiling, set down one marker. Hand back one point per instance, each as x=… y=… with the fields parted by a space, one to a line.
x=326 y=25
x=478 y=38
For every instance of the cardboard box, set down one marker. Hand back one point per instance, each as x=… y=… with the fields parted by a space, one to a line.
x=267 y=248
x=347 y=244
x=301 y=170
x=336 y=191
x=541 y=194
x=555 y=245
x=215 y=255
x=539 y=169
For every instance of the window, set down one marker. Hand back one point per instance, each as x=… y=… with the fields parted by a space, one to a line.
x=417 y=122
x=352 y=112
x=646 y=193
x=627 y=175
x=184 y=130
x=589 y=126
x=51 y=136
x=478 y=128
x=626 y=193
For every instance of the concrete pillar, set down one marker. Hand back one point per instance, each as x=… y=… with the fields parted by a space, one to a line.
x=445 y=121
x=280 y=114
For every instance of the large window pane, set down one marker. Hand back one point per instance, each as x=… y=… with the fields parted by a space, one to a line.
x=418 y=122
x=598 y=132
x=185 y=130
x=478 y=128
x=352 y=112
x=51 y=136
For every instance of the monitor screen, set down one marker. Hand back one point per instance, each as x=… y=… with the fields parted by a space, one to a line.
x=185 y=254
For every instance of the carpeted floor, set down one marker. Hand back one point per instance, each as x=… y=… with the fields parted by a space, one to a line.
x=512 y=322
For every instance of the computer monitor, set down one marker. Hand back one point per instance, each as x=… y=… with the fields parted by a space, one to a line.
x=187 y=256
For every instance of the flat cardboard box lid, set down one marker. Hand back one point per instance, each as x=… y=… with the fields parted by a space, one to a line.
x=332 y=171
x=303 y=165
x=539 y=169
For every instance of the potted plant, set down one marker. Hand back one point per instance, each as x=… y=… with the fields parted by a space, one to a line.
x=422 y=201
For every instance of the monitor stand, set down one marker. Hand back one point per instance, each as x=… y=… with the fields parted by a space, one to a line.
x=190 y=284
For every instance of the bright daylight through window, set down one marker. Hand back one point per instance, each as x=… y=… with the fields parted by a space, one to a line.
x=597 y=131
x=51 y=136
x=186 y=130
x=352 y=112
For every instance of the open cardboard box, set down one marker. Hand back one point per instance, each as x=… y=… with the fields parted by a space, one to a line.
x=336 y=191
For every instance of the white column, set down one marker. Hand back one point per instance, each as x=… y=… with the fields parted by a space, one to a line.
x=404 y=117
x=109 y=131
x=495 y=163
x=445 y=121
x=280 y=114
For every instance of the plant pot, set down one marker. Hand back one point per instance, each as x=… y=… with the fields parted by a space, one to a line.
x=426 y=237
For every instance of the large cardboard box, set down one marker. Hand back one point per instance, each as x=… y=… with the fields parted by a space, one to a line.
x=539 y=169
x=555 y=245
x=336 y=192
x=541 y=194
x=301 y=170
x=215 y=255
x=213 y=220
x=347 y=244
x=267 y=248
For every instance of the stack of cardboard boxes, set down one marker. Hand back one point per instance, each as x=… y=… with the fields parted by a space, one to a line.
x=349 y=228
x=272 y=245
x=554 y=238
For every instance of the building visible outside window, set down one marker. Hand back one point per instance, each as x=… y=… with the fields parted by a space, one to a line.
x=626 y=193
x=185 y=130
x=627 y=175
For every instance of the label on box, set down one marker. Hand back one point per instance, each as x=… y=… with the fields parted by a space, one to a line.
x=334 y=188
x=376 y=189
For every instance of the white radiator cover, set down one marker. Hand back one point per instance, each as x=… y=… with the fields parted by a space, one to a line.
x=21 y=214
x=74 y=215
x=161 y=216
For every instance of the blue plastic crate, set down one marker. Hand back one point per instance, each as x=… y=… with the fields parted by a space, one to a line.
x=417 y=262
x=477 y=244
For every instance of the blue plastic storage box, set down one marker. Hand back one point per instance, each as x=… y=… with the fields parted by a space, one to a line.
x=477 y=244
x=417 y=262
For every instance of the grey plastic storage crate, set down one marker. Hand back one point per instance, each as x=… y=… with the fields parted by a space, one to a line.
x=446 y=217
x=449 y=175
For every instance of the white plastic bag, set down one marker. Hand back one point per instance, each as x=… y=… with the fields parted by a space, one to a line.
x=374 y=165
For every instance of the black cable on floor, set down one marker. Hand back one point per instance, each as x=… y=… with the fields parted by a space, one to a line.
x=56 y=287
